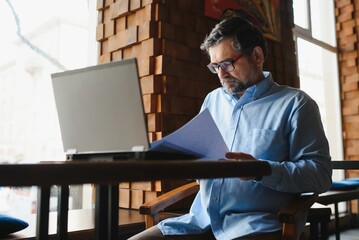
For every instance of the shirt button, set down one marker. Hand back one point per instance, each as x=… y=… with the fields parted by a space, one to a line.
x=215 y=199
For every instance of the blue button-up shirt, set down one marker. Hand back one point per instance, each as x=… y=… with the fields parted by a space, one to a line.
x=273 y=123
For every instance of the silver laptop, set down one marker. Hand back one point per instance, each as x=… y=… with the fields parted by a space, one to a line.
x=101 y=114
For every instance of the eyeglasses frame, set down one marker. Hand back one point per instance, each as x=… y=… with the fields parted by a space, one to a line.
x=216 y=66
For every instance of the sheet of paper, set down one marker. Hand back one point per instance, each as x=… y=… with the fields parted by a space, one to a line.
x=199 y=137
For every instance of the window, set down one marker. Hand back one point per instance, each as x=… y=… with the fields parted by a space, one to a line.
x=318 y=65
x=318 y=68
x=39 y=37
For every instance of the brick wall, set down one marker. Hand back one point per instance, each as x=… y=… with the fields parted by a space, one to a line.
x=164 y=36
x=347 y=26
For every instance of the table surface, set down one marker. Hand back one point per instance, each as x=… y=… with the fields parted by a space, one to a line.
x=345 y=164
x=105 y=172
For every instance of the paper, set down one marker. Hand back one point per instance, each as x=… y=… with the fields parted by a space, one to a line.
x=199 y=137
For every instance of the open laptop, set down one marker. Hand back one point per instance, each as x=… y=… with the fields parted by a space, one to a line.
x=101 y=114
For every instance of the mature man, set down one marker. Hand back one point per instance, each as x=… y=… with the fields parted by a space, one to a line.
x=259 y=120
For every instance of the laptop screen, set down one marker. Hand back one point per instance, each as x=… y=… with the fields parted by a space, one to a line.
x=100 y=108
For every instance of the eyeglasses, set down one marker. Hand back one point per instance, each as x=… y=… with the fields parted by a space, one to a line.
x=226 y=66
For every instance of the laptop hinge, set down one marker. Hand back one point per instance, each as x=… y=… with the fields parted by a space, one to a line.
x=70 y=152
x=138 y=148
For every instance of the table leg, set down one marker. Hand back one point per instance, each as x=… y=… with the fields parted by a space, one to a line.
x=101 y=211
x=62 y=212
x=106 y=211
x=113 y=212
x=42 y=218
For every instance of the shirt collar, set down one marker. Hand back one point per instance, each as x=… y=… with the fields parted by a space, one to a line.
x=263 y=86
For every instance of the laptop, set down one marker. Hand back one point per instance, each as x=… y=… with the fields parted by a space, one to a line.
x=101 y=115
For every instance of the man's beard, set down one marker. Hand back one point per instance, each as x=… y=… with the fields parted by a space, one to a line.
x=233 y=85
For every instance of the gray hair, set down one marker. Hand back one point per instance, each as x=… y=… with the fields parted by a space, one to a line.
x=245 y=35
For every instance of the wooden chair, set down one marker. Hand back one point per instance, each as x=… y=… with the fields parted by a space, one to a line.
x=289 y=215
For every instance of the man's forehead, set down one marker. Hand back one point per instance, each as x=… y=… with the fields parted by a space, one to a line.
x=222 y=51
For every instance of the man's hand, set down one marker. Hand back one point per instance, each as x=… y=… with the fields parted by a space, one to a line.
x=240 y=156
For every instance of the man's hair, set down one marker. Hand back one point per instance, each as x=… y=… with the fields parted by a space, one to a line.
x=245 y=35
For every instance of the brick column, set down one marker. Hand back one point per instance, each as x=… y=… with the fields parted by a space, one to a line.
x=347 y=25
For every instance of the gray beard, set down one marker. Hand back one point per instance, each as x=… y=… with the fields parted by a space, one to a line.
x=236 y=86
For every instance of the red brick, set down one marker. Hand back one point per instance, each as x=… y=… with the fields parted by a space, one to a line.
x=147 y=30
x=154 y=122
x=137 y=198
x=176 y=50
x=145 y=66
x=188 y=21
x=124 y=198
x=350 y=110
x=176 y=17
x=166 y=30
x=120 y=25
x=186 y=5
x=122 y=39
x=351 y=95
x=149 y=196
x=353 y=134
x=117 y=55
x=342 y=3
x=135 y=4
x=109 y=28
x=151 y=84
x=193 y=39
x=124 y=185
x=151 y=137
x=141 y=16
x=145 y=186
x=161 y=13
x=120 y=8
x=173 y=122
x=106 y=15
x=171 y=85
x=158 y=186
x=100 y=29
x=149 y=103
x=146 y=2
x=105 y=58
x=100 y=4
x=345 y=16
x=108 y=2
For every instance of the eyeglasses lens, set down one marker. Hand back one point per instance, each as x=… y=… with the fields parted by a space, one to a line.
x=226 y=66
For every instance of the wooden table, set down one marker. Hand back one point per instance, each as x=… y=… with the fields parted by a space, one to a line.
x=346 y=164
x=106 y=176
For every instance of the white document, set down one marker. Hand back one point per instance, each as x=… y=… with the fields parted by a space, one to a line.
x=199 y=137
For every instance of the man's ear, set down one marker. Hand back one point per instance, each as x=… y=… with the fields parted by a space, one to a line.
x=258 y=56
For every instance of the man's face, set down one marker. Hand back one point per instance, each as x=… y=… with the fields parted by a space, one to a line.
x=246 y=71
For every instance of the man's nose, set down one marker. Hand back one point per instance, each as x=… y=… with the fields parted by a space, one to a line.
x=221 y=73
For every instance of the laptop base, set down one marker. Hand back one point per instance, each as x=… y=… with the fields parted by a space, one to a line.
x=147 y=155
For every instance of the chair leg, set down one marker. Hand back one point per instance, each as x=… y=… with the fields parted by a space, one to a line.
x=314 y=226
x=337 y=224
x=324 y=229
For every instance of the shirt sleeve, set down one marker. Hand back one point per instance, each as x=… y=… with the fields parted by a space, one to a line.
x=308 y=168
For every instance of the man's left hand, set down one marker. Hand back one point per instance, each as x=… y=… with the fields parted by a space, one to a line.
x=241 y=156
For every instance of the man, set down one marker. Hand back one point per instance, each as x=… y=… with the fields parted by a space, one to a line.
x=260 y=120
